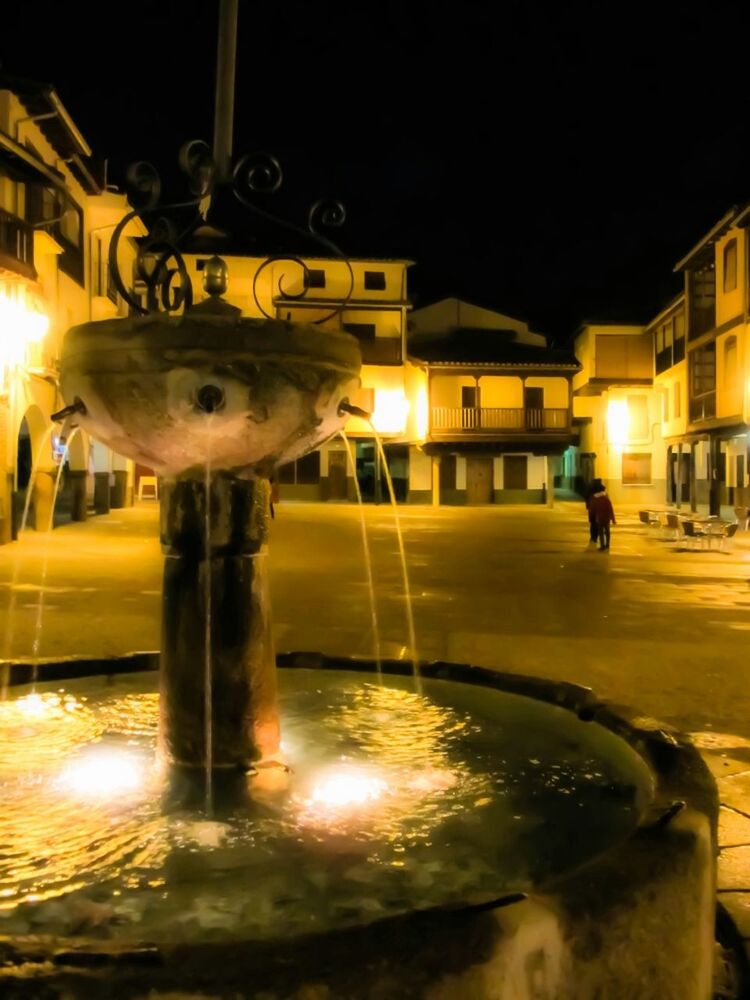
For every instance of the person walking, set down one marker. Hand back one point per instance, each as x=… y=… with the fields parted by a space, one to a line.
x=604 y=515
x=596 y=486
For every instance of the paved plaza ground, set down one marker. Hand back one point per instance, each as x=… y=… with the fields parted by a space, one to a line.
x=518 y=588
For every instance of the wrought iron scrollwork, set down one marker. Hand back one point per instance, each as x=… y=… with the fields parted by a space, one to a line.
x=160 y=266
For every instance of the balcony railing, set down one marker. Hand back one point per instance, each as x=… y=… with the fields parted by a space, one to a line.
x=16 y=239
x=493 y=418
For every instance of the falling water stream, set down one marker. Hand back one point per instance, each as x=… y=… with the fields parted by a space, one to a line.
x=367 y=555
x=32 y=478
x=207 y=652
x=404 y=569
x=36 y=644
x=18 y=560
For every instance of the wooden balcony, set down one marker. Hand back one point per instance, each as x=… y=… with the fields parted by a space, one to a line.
x=16 y=245
x=499 y=421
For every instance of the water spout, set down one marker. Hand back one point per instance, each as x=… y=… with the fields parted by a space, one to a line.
x=77 y=406
x=209 y=398
x=354 y=411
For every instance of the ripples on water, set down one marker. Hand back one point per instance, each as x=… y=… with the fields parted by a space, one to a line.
x=395 y=800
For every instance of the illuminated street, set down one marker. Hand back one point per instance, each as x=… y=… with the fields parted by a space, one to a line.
x=517 y=588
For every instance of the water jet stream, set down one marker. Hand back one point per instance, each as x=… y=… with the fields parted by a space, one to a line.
x=404 y=570
x=207 y=657
x=45 y=565
x=367 y=554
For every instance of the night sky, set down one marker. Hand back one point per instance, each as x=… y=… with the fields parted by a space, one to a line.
x=552 y=160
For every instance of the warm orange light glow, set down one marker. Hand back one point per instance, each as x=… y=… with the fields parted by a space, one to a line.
x=391 y=411
x=102 y=774
x=21 y=323
x=343 y=789
x=422 y=414
x=618 y=422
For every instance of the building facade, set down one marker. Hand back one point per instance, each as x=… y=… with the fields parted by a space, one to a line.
x=618 y=415
x=375 y=292
x=55 y=223
x=498 y=415
x=709 y=441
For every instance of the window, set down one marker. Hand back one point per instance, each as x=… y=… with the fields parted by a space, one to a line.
x=665 y=405
x=375 y=350
x=638 y=417
x=702 y=391
x=304 y=472
x=636 y=469
x=469 y=396
x=730 y=266
x=678 y=351
x=362 y=331
x=730 y=362
x=64 y=220
x=701 y=301
x=308 y=469
x=315 y=278
x=703 y=369
x=677 y=400
x=375 y=281
x=102 y=281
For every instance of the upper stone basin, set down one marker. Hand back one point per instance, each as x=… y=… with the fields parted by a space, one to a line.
x=273 y=388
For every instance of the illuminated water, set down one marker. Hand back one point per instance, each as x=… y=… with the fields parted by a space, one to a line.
x=396 y=801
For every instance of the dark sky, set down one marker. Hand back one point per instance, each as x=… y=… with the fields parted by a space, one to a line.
x=550 y=159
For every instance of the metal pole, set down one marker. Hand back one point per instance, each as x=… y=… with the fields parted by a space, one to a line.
x=226 y=58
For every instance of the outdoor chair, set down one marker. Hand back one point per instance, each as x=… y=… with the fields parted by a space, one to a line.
x=648 y=518
x=695 y=535
x=727 y=534
x=743 y=515
x=673 y=525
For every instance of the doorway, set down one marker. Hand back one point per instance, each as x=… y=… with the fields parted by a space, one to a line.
x=479 y=479
x=679 y=477
x=515 y=472
x=533 y=404
x=374 y=488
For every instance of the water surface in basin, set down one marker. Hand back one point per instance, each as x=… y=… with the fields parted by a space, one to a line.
x=394 y=801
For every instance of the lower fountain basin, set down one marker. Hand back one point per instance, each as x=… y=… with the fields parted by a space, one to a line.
x=493 y=836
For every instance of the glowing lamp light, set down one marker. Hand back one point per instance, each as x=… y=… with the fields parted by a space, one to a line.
x=32 y=706
x=102 y=775
x=422 y=414
x=618 y=422
x=344 y=789
x=21 y=324
x=391 y=411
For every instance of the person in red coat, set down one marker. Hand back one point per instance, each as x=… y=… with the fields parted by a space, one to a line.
x=604 y=515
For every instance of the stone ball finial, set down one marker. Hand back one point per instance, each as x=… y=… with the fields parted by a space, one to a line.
x=215 y=276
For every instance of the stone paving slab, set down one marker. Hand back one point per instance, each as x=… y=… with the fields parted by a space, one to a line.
x=734 y=791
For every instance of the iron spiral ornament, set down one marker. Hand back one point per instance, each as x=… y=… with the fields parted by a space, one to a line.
x=160 y=267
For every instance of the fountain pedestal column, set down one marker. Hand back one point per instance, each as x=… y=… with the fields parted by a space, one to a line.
x=244 y=716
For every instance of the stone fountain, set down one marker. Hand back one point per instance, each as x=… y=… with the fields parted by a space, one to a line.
x=496 y=836
x=489 y=836
x=211 y=390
